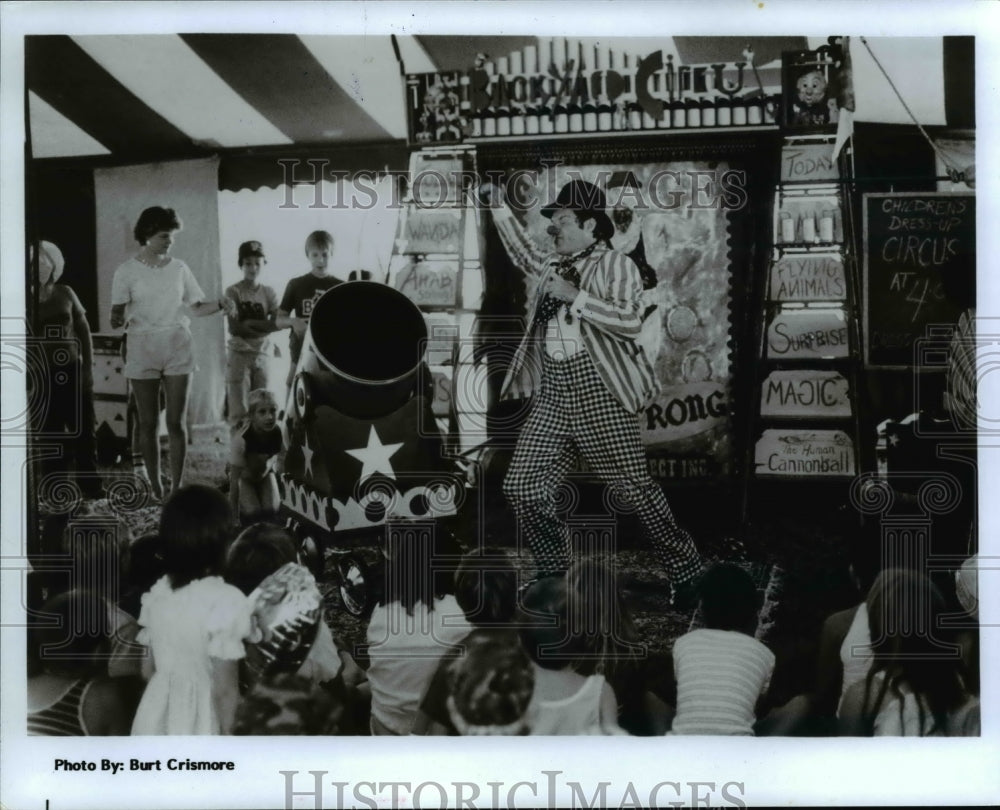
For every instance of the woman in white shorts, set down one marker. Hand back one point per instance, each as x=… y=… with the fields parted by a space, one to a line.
x=150 y=296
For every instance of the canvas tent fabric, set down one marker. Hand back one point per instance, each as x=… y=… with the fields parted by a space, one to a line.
x=165 y=96
x=136 y=98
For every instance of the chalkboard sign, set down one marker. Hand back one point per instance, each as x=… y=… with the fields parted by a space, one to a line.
x=919 y=269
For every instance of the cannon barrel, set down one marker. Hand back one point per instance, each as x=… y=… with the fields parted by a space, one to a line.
x=363 y=352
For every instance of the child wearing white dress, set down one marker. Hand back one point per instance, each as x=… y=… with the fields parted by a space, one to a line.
x=193 y=623
x=722 y=671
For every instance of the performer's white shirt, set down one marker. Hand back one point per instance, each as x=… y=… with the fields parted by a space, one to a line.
x=562 y=333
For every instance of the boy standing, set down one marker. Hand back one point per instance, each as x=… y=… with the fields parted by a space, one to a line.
x=302 y=292
x=256 y=307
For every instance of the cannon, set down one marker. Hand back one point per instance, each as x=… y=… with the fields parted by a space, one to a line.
x=363 y=451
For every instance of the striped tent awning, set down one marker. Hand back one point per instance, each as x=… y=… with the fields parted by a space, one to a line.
x=155 y=97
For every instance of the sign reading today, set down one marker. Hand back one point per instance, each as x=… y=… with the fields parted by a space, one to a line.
x=804 y=453
x=808 y=163
x=805 y=392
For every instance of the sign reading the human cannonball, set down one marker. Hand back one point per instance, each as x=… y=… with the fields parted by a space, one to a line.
x=805 y=392
x=799 y=453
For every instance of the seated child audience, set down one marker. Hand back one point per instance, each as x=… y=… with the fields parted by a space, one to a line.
x=96 y=543
x=612 y=644
x=843 y=657
x=486 y=590
x=914 y=687
x=411 y=628
x=565 y=701
x=255 y=449
x=722 y=671
x=193 y=622
x=71 y=694
x=967 y=593
x=99 y=545
x=287 y=608
x=285 y=704
x=491 y=685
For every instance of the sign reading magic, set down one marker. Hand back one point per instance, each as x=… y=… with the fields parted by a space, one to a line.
x=654 y=92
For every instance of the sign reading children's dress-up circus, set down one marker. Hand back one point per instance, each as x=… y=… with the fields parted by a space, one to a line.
x=682 y=253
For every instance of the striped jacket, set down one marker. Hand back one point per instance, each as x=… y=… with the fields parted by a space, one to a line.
x=610 y=319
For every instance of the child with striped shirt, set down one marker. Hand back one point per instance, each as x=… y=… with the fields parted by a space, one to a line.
x=722 y=671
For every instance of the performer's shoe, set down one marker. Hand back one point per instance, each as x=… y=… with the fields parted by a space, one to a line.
x=93 y=490
x=538 y=578
x=684 y=596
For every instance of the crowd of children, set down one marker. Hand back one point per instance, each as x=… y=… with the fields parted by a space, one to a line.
x=195 y=631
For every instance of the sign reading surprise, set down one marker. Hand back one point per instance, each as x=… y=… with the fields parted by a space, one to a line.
x=813 y=333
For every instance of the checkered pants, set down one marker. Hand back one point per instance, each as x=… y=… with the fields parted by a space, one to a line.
x=576 y=414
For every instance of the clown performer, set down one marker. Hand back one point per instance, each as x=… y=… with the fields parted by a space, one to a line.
x=589 y=378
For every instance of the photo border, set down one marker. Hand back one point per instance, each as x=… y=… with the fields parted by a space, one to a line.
x=786 y=771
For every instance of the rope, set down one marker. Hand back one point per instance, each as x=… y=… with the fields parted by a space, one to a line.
x=954 y=174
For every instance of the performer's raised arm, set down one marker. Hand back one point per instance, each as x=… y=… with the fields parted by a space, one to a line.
x=521 y=248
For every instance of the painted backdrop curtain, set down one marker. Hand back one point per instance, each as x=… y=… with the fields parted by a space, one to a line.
x=189 y=187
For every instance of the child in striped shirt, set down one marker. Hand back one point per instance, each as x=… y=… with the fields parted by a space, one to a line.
x=722 y=671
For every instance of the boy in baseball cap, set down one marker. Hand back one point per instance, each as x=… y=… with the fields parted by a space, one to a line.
x=249 y=328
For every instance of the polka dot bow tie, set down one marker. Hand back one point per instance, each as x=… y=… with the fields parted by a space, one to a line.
x=567 y=268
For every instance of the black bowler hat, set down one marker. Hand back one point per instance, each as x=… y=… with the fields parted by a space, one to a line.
x=587 y=199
